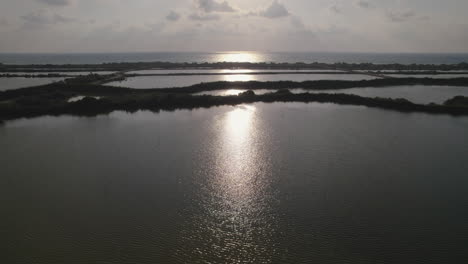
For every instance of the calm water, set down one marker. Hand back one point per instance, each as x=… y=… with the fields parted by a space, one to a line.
x=229 y=92
x=64 y=73
x=436 y=76
x=262 y=183
x=21 y=82
x=182 y=81
x=230 y=71
x=308 y=57
x=417 y=93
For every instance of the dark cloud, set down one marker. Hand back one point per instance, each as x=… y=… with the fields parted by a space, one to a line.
x=275 y=10
x=400 y=16
x=173 y=16
x=56 y=2
x=209 y=6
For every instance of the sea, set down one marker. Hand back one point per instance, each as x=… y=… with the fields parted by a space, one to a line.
x=233 y=56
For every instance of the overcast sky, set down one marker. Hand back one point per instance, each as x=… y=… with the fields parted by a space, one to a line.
x=219 y=25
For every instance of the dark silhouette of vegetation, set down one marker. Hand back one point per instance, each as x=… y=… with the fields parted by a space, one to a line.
x=53 y=99
x=459 y=101
x=86 y=85
x=316 y=85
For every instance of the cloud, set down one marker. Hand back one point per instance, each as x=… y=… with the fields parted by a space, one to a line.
x=205 y=17
x=400 y=16
x=297 y=22
x=40 y=19
x=365 y=4
x=56 y=2
x=173 y=16
x=209 y=6
x=335 y=9
x=275 y=10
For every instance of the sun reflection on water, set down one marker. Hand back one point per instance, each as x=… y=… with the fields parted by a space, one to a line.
x=239 y=78
x=238 y=125
x=235 y=218
x=240 y=56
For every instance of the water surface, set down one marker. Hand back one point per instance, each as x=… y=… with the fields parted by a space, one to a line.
x=261 y=183
x=21 y=82
x=234 y=56
x=142 y=82
x=54 y=72
x=421 y=94
x=219 y=71
x=435 y=76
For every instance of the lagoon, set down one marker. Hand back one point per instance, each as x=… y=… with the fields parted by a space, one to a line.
x=264 y=183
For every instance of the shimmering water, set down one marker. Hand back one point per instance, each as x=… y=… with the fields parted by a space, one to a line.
x=181 y=81
x=261 y=183
x=20 y=82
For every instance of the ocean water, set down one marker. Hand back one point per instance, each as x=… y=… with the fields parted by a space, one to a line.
x=258 y=183
x=291 y=57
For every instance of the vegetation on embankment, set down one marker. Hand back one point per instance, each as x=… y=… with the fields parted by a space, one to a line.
x=83 y=85
x=52 y=99
x=317 y=85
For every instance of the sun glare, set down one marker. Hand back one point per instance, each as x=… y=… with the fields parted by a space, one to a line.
x=239 y=78
x=239 y=57
x=238 y=122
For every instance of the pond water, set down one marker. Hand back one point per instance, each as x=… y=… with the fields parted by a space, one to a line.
x=64 y=73
x=182 y=81
x=418 y=93
x=20 y=82
x=435 y=76
x=260 y=183
x=231 y=71
x=81 y=97
x=229 y=92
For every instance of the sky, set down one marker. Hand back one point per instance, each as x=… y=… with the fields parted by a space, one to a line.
x=431 y=26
